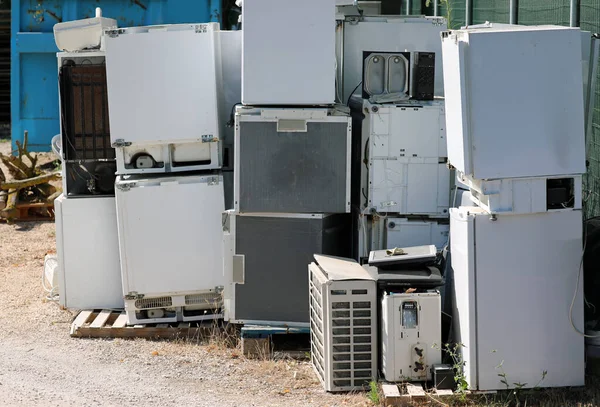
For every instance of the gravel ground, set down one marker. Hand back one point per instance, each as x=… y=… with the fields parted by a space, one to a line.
x=40 y=364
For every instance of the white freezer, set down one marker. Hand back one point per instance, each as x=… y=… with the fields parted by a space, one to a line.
x=514 y=280
x=288 y=52
x=88 y=253
x=144 y=112
x=170 y=234
x=514 y=101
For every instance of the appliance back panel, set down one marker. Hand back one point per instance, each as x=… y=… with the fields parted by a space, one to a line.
x=293 y=172
x=84 y=111
x=277 y=252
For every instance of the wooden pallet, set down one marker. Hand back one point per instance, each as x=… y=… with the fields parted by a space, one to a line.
x=27 y=211
x=113 y=324
x=409 y=394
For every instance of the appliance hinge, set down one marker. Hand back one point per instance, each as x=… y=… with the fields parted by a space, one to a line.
x=201 y=28
x=213 y=181
x=209 y=138
x=134 y=295
x=114 y=32
x=125 y=187
x=219 y=289
x=120 y=143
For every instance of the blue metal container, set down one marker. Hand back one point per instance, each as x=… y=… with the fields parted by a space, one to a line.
x=34 y=74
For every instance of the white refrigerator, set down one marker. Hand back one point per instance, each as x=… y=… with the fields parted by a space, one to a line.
x=514 y=280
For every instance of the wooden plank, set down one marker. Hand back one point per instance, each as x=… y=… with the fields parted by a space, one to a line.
x=443 y=392
x=416 y=392
x=121 y=321
x=101 y=319
x=81 y=319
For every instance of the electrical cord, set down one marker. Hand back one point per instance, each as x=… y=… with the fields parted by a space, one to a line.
x=352 y=93
x=577 y=287
x=231 y=121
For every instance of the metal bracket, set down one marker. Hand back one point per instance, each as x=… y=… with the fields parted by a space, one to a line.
x=213 y=181
x=209 y=138
x=115 y=32
x=125 y=187
x=134 y=295
x=201 y=28
x=120 y=143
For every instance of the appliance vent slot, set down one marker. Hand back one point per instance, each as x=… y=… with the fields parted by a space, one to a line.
x=158 y=302
x=213 y=299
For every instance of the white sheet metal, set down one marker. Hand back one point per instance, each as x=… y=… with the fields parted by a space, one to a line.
x=402 y=232
x=162 y=83
x=88 y=253
x=170 y=234
x=515 y=277
x=288 y=52
x=514 y=93
x=389 y=34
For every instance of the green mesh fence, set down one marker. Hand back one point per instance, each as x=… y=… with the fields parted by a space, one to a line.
x=535 y=12
x=589 y=17
x=495 y=11
x=456 y=19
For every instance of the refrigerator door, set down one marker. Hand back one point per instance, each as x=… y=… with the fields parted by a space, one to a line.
x=532 y=111
x=526 y=270
x=88 y=253
x=170 y=234
x=140 y=60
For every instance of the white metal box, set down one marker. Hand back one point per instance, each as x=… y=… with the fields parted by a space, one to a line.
x=170 y=237
x=88 y=253
x=514 y=101
x=411 y=335
x=82 y=34
x=408 y=188
x=406 y=131
x=291 y=59
x=386 y=34
x=177 y=125
x=343 y=323
x=515 y=277
x=265 y=258
x=403 y=232
x=292 y=160
x=525 y=195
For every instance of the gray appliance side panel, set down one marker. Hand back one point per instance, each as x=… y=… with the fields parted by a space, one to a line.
x=277 y=253
x=228 y=180
x=293 y=172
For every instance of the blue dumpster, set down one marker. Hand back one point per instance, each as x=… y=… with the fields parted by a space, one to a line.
x=34 y=75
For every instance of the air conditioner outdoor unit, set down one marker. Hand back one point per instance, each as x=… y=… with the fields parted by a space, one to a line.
x=343 y=323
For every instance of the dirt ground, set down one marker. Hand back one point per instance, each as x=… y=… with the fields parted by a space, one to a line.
x=40 y=364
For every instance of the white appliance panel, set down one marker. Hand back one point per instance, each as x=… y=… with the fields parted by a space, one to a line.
x=170 y=234
x=402 y=232
x=291 y=59
x=520 y=296
x=88 y=253
x=532 y=110
x=162 y=83
x=389 y=34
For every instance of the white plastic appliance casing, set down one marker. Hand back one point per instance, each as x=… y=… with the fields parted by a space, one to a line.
x=409 y=351
x=514 y=101
x=343 y=339
x=178 y=122
x=514 y=281
x=517 y=195
x=88 y=253
x=170 y=234
x=386 y=34
x=290 y=60
x=82 y=34
x=381 y=233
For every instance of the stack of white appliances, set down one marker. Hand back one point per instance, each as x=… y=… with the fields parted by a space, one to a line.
x=163 y=91
x=401 y=186
x=89 y=275
x=292 y=162
x=515 y=130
